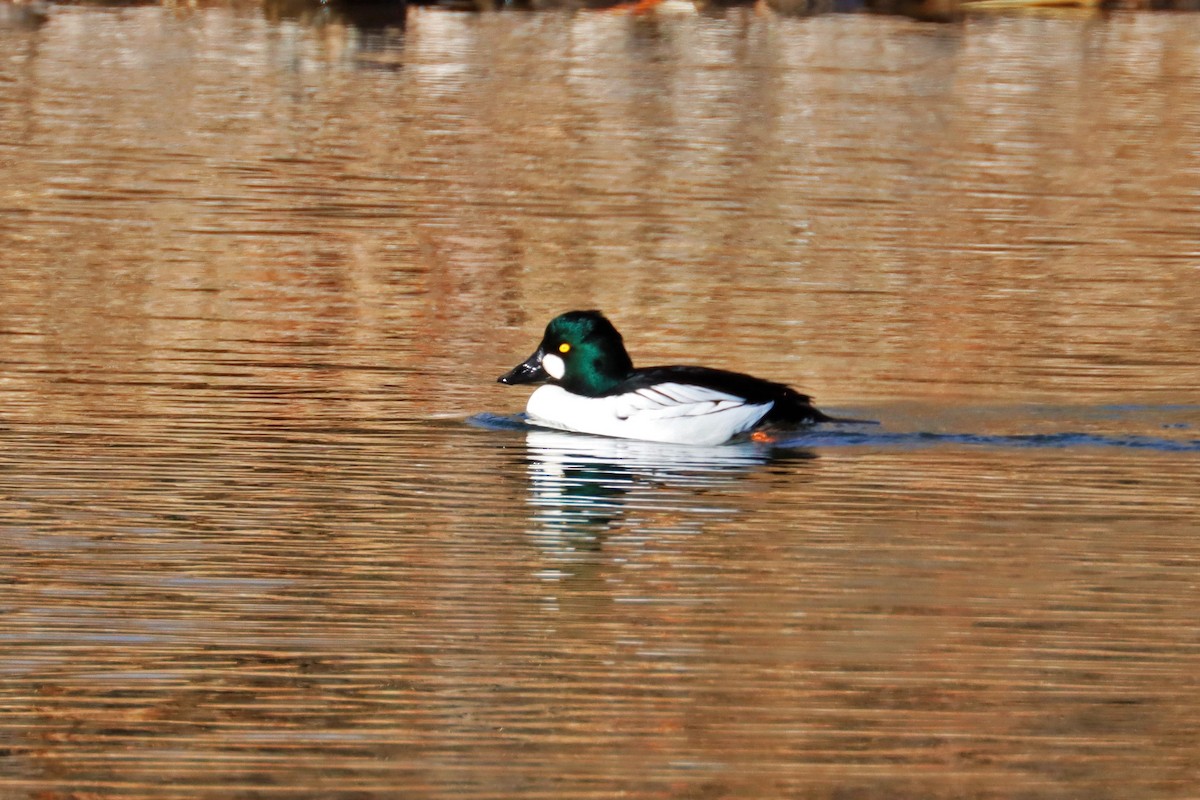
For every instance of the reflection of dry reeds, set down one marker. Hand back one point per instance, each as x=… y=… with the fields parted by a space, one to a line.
x=247 y=265
x=319 y=619
x=1015 y=5
x=955 y=9
x=852 y=263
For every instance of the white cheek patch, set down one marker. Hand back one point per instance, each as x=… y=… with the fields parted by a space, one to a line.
x=554 y=366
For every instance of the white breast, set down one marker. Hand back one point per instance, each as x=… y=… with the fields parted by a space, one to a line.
x=668 y=412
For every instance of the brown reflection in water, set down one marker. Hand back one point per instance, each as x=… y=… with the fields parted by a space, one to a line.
x=868 y=207
x=247 y=263
x=290 y=613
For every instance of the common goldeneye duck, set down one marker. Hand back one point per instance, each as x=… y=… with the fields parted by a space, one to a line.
x=592 y=387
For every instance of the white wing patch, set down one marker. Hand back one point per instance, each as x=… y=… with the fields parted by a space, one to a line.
x=666 y=412
x=665 y=400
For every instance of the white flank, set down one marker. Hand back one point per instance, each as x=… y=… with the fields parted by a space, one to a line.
x=554 y=366
x=668 y=412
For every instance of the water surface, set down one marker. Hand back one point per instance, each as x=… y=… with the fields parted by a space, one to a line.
x=266 y=533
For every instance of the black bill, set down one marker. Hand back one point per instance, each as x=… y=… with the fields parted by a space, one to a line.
x=528 y=371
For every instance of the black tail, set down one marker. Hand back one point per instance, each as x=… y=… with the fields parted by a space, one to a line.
x=794 y=408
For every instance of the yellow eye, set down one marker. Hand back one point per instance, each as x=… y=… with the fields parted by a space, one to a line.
x=564 y=348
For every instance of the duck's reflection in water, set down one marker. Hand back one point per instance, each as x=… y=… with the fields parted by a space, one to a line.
x=585 y=489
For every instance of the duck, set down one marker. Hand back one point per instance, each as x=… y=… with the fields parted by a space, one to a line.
x=591 y=386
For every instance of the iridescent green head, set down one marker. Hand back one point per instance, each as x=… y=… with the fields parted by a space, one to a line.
x=580 y=351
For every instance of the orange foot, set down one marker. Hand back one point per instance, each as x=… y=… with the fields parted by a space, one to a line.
x=637 y=7
x=763 y=437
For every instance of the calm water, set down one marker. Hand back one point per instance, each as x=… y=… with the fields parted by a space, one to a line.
x=266 y=529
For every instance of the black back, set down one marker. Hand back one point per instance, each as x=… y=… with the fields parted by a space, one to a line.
x=791 y=407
